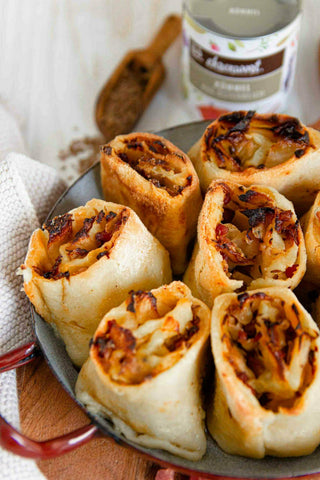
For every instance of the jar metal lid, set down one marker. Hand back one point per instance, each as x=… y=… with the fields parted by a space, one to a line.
x=243 y=19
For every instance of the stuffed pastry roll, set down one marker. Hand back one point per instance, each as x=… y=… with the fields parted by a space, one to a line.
x=247 y=238
x=145 y=369
x=310 y=223
x=157 y=180
x=81 y=264
x=266 y=350
x=254 y=149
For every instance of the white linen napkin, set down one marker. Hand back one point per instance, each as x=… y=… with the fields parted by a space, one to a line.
x=28 y=189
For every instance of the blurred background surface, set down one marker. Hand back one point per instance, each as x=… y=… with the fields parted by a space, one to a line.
x=56 y=56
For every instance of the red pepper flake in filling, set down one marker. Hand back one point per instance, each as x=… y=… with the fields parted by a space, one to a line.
x=241 y=299
x=290 y=271
x=243 y=376
x=154 y=169
x=105 y=236
x=221 y=230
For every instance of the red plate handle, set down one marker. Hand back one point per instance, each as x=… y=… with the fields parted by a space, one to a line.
x=19 y=356
x=16 y=442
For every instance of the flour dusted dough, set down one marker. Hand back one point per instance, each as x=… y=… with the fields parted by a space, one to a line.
x=145 y=368
x=266 y=350
x=247 y=238
x=254 y=149
x=156 y=179
x=85 y=262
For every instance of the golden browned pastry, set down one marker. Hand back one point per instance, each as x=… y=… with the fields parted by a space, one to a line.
x=156 y=179
x=310 y=223
x=81 y=264
x=266 y=351
x=254 y=149
x=145 y=369
x=247 y=238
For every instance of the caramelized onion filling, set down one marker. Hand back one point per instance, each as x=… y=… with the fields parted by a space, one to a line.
x=261 y=241
x=71 y=250
x=146 y=338
x=155 y=162
x=269 y=349
x=241 y=140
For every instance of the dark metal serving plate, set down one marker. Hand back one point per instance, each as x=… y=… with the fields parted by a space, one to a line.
x=215 y=462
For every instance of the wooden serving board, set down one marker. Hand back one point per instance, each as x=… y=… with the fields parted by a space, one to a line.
x=47 y=411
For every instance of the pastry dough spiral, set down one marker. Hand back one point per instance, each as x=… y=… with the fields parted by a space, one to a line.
x=82 y=263
x=266 y=351
x=145 y=368
x=156 y=179
x=254 y=149
x=247 y=238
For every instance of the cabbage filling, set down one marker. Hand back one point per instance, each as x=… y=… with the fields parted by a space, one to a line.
x=269 y=349
x=73 y=245
x=261 y=241
x=241 y=140
x=155 y=162
x=146 y=338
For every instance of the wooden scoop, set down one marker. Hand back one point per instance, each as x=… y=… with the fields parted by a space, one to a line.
x=130 y=88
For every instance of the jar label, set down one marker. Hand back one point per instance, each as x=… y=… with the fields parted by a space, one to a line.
x=232 y=74
x=232 y=67
x=204 y=66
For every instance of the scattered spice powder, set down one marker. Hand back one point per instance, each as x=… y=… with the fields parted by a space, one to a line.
x=81 y=154
x=121 y=110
